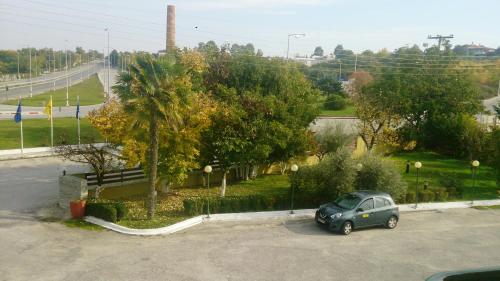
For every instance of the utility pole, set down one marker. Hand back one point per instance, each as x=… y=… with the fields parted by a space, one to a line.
x=36 y=65
x=31 y=83
x=296 y=35
x=18 y=76
x=340 y=66
x=440 y=39
x=356 y=63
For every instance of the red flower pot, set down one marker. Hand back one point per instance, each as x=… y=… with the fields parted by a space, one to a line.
x=77 y=208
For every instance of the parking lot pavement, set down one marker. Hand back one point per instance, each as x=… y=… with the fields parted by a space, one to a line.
x=423 y=243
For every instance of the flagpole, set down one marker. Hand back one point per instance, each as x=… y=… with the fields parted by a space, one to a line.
x=51 y=124
x=78 y=119
x=22 y=137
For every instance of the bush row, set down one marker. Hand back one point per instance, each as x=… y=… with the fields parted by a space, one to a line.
x=111 y=212
x=428 y=195
x=198 y=205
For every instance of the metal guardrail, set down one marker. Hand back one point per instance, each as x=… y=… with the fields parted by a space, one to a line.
x=121 y=176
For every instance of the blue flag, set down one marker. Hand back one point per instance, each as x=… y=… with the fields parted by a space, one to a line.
x=18 y=117
x=78 y=109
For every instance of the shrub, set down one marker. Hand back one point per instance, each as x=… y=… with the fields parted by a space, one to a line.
x=335 y=102
x=454 y=185
x=410 y=197
x=103 y=211
x=198 y=205
x=121 y=210
x=426 y=195
x=441 y=194
x=325 y=181
x=381 y=175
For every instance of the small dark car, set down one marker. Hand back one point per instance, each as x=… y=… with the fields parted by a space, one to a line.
x=358 y=210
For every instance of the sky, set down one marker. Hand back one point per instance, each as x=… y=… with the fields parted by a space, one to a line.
x=140 y=25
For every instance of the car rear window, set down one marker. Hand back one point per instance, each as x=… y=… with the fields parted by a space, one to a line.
x=367 y=205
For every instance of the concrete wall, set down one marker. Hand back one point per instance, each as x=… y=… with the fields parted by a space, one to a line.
x=71 y=188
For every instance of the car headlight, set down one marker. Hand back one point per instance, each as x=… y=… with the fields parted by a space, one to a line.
x=336 y=216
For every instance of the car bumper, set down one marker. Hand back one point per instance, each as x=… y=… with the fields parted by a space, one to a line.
x=331 y=224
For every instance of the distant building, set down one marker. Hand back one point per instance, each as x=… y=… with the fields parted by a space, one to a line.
x=312 y=60
x=478 y=50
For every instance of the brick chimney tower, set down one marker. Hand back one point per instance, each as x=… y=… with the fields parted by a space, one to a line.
x=170 y=28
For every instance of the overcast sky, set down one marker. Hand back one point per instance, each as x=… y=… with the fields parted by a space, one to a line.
x=140 y=25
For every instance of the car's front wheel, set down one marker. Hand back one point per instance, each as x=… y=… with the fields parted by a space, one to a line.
x=392 y=222
x=346 y=228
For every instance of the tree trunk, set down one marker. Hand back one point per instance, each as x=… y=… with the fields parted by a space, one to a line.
x=254 y=171
x=283 y=166
x=237 y=168
x=165 y=186
x=247 y=168
x=153 y=161
x=223 y=184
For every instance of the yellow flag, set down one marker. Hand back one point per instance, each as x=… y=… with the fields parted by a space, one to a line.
x=48 y=109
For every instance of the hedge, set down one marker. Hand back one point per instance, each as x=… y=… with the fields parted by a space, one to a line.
x=252 y=203
x=111 y=212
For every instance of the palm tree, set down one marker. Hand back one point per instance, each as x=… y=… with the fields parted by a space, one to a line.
x=152 y=94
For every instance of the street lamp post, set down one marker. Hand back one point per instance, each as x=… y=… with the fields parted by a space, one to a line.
x=418 y=165
x=208 y=170
x=66 y=73
x=475 y=165
x=109 y=65
x=294 y=170
x=296 y=35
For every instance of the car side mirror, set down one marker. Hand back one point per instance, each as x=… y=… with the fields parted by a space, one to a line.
x=359 y=210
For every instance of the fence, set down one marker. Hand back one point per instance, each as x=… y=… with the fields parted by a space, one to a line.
x=120 y=176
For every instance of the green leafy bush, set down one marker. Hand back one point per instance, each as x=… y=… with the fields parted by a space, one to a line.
x=381 y=175
x=324 y=182
x=103 y=211
x=121 y=210
x=335 y=102
x=441 y=194
x=198 y=205
x=426 y=196
x=454 y=185
x=410 y=197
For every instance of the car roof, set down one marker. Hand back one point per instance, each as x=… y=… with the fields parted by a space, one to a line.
x=369 y=193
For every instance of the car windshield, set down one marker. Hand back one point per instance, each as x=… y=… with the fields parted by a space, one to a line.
x=348 y=201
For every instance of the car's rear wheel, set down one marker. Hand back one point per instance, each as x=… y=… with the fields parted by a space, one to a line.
x=392 y=222
x=346 y=228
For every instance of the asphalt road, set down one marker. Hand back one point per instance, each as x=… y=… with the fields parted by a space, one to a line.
x=39 y=87
x=29 y=112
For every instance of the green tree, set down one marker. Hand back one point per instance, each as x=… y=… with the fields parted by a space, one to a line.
x=155 y=89
x=318 y=51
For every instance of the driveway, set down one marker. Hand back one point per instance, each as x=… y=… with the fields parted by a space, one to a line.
x=28 y=184
x=423 y=243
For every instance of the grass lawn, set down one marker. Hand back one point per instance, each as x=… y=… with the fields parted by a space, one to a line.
x=437 y=168
x=349 y=111
x=90 y=92
x=37 y=132
x=170 y=207
x=494 y=207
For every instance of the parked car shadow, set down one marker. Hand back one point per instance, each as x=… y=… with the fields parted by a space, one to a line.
x=306 y=227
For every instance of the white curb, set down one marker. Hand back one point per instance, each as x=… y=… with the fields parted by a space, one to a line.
x=298 y=214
